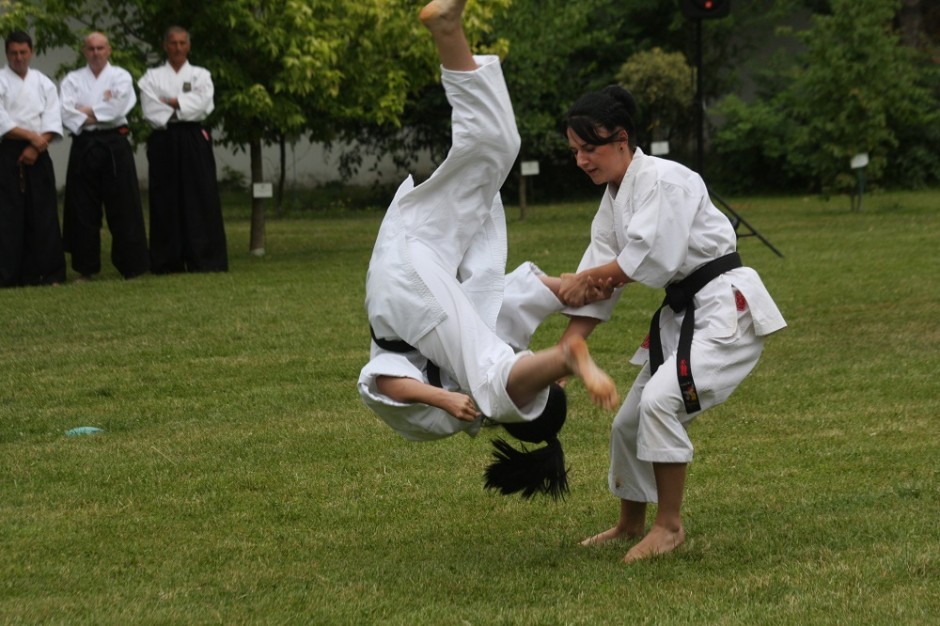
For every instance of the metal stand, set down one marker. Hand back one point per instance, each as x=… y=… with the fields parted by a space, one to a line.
x=737 y=220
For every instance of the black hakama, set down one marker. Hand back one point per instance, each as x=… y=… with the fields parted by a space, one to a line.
x=30 y=239
x=102 y=171
x=186 y=228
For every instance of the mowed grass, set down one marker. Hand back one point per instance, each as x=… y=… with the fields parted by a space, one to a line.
x=240 y=480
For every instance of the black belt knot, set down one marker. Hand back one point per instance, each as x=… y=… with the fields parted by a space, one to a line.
x=403 y=347
x=680 y=297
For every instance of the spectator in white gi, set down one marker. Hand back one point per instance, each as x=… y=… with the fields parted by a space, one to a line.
x=186 y=229
x=657 y=226
x=30 y=119
x=95 y=103
x=435 y=280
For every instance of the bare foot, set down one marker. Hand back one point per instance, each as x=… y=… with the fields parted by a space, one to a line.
x=659 y=540
x=442 y=15
x=600 y=386
x=611 y=534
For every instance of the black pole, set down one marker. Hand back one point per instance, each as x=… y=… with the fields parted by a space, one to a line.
x=699 y=103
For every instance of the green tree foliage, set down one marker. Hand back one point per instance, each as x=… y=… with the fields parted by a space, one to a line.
x=667 y=86
x=852 y=89
x=553 y=51
x=281 y=68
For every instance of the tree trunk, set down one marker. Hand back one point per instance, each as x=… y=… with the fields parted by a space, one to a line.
x=280 y=182
x=256 y=242
x=911 y=23
x=523 y=203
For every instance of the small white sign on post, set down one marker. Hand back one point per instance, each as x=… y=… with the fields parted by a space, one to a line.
x=859 y=161
x=659 y=148
x=262 y=190
x=530 y=168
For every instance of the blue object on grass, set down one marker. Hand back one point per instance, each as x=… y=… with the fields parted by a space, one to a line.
x=83 y=430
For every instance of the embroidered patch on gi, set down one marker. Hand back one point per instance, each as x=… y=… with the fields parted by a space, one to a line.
x=739 y=301
x=646 y=343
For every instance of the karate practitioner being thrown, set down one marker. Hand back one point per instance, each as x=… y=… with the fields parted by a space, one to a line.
x=656 y=226
x=436 y=277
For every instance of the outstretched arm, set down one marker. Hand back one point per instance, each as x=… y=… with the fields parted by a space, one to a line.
x=591 y=285
x=410 y=390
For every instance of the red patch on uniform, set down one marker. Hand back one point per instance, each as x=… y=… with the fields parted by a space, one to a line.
x=646 y=343
x=739 y=301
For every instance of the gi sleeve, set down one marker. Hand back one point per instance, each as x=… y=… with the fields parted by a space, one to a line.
x=120 y=101
x=6 y=122
x=72 y=118
x=385 y=364
x=198 y=103
x=51 y=116
x=157 y=113
x=602 y=250
x=657 y=234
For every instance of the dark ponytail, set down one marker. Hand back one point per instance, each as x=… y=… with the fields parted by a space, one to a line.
x=609 y=109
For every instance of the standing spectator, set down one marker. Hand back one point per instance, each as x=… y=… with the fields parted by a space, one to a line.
x=186 y=229
x=95 y=104
x=30 y=239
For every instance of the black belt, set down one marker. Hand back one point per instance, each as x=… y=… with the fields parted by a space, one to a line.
x=681 y=296
x=180 y=124
x=402 y=347
x=87 y=140
x=117 y=130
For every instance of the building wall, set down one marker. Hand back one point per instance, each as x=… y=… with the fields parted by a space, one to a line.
x=308 y=164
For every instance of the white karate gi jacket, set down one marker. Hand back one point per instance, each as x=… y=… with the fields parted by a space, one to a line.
x=110 y=95
x=31 y=103
x=661 y=226
x=526 y=303
x=191 y=86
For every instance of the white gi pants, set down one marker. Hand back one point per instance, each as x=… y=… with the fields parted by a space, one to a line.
x=452 y=206
x=651 y=425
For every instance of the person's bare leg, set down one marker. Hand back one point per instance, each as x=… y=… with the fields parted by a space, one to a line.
x=667 y=533
x=534 y=372
x=444 y=18
x=630 y=524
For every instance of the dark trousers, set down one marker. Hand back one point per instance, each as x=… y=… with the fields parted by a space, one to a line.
x=101 y=171
x=30 y=239
x=186 y=229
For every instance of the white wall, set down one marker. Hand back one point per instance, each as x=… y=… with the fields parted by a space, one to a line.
x=307 y=164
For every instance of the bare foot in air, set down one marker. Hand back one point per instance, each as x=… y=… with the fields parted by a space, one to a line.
x=600 y=386
x=660 y=540
x=439 y=15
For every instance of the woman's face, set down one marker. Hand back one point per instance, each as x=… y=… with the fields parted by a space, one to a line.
x=604 y=164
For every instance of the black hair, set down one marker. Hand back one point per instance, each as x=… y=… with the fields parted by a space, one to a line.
x=19 y=36
x=609 y=109
x=538 y=471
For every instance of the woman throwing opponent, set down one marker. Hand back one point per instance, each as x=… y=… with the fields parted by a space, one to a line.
x=656 y=226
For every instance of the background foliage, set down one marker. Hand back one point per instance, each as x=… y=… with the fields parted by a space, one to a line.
x=853 y=88
x=849 y=76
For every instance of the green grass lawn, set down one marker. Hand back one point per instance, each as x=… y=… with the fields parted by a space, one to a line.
x=240 y=480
